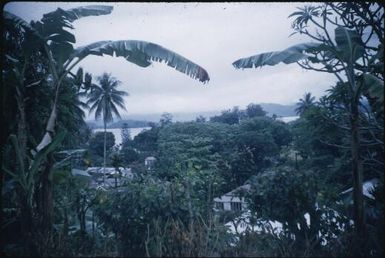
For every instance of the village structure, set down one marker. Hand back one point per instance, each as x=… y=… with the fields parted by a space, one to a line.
x=233 y=202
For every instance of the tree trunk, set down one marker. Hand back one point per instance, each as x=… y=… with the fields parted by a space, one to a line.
x=93 y=224
x=25 y=199
x=105 y=150
x=191 y=219
x=359 y=214
x=82 y=221
x=47 y=201
x=27 y=225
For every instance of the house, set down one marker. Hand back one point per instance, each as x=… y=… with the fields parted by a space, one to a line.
x=109 y=176
x=79 y=172
x=372 y=212
x=75 y=160
x=71 y=158
x=367 y=188
x=149 y=163
x=125 y=172
x=233 y=200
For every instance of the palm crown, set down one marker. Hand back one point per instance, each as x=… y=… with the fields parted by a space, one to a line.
x=105 y=98
x=305 y=103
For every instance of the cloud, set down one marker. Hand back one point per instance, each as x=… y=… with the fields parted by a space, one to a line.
x=210 y=34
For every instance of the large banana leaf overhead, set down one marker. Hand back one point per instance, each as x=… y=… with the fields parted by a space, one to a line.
x=52 y=27
x=12 y=21
x=142 y=53
x=52 y=30
x=51 y=36
x=287 y=56
x=79 y=12
x=348 y=46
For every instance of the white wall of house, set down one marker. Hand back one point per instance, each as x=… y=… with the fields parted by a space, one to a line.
x=230 y=202
x=149 y=163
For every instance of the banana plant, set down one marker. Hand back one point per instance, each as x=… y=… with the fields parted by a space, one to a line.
x=52 y=39
x=25 y=173
x=50 y=36
x=349 y=55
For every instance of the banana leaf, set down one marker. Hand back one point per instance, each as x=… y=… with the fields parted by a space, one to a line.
x=290 y=55
x=142 y=53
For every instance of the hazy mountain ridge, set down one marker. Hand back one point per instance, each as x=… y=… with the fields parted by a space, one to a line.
x=278 y=109
x=142 y=120
x=119 y=124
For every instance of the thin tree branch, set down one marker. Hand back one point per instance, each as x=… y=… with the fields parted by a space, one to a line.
x=335 y=145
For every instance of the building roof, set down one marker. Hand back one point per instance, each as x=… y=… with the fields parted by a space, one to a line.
x=242 y=188
x=233 y=194
x=150 y=158
x=71 y=152
x=367 y=188
x=79 y=172
x=126 y=172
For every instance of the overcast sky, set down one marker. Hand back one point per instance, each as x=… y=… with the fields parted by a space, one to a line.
x=212 y=35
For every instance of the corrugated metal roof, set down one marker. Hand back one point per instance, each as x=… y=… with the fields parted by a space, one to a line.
x=79 y=172
x=367 y=187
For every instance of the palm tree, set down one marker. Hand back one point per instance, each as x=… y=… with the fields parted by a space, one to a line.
x=49 y=37
x=305 y=103
x=103 y=99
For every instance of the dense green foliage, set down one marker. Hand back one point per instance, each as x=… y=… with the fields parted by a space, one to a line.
x=293 y=174
x=96 y=144
x=355 y=56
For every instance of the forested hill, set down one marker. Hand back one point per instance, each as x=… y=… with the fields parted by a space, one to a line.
x=135 y=121
x=278 y=109
x=119 y=124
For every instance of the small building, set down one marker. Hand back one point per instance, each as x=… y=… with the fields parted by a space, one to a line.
x=75 y=158
x=109 y=176
x=372 y=212
x=149 y=163
x=233 y=200
x=79 y=172
x=367 y=188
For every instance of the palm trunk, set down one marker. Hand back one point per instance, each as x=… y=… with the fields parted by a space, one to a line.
x=359 y=215
x=105 y=150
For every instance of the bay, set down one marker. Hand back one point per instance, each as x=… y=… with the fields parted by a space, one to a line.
x=117 y=132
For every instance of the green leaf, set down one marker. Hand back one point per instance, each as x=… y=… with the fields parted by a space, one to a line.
x=374 y=88
x=19 y=174
x=87 y=81
x=52 y=27
x=41 y=155
x=79 y=77
x=32 y=38
x=15 y=177
x=62 y=35
x=12 y=21
x=13 y=60
x=79 y=12
x=287 y=56
x=349 y=44
x=142 y=53
x=61 y=51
